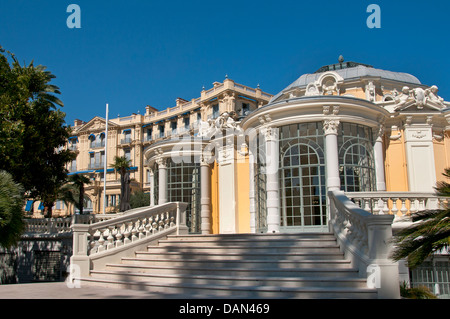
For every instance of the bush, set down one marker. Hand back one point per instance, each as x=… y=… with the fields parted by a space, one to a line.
x=139 y=199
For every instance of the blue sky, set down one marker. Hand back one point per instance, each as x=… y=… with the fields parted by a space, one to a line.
x=135 y=53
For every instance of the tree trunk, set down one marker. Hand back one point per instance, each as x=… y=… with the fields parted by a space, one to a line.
x=81 y=199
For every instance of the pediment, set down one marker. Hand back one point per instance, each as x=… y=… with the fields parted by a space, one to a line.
x=419 y=99
x=96 y=124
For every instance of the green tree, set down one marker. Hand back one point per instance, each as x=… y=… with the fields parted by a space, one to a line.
x=74 y=191
x=139 y=199
x=32 y=130
x=430 y=232
x=122 y=165
x=11 y=210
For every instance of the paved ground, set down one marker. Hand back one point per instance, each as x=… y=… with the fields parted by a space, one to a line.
x=59 y=290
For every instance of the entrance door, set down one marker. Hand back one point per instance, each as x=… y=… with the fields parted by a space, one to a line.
x=303 y=190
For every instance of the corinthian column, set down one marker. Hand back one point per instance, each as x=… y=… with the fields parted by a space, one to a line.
x=152 y=187
x=330 y=127
x=162 y=169
x=379 y=161
x=205 y=173
x=272 y=186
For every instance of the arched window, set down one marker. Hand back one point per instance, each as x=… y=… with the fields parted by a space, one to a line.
x=183 y=185
x=91 y=138
x=302 y=177
x=357 y=168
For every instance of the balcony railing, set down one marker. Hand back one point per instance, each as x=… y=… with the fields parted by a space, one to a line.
x=96 y=165
x=126 y=140
x=395 y=203
x=100 y=144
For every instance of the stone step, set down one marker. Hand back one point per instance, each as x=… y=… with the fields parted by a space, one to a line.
x=243 y=281
x=247 y=264
x=304 y=255
x=242 y=249
x=235 y=271
x=250 y=242
x=239 y=292
x=277 y=236
x=307 y=265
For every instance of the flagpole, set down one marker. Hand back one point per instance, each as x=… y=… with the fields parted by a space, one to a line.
x=106 y=161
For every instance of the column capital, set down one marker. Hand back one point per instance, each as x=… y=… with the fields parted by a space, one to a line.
x=161 y=161
x=379 y=132
x=270 y=133
x=330 y=126
x=205 y=158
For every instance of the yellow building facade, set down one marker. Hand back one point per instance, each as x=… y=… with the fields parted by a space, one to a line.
x=248 y=161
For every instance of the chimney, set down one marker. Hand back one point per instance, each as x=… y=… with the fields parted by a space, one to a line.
x=180 y=101
x=150 y=109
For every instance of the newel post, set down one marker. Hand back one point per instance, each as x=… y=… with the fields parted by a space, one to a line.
x=80 y=260
x=382 y=272
x=181 y=220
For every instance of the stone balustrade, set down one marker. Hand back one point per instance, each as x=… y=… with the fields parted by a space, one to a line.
x=399 y=204
x=365 y=239
x=62 y=224
x=48 y=225
x=96 y=244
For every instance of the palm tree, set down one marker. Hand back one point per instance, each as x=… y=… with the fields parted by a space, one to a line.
x=122 y=165
x=74 y=189
x=430 y=232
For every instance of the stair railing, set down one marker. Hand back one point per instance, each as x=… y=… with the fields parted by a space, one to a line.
x=365 y=239
x=95 y=245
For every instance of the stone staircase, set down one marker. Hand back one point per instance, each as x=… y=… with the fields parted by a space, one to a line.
x=306 y=265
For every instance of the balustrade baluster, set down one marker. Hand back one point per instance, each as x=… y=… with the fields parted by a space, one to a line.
x=412 y=206
x=367 y=205
x=421 y=203
x=119 y=237
x=155 y=223
x=161 y=222
x=376 y=206
x=385 y=209
x=166 y=220
x=148 y=226
x=91 y=242
x=141 y=228
x=403 y=210
x=394 y=209
x=101 y=240
x=127 y=233
x=110 y=238
x=134 y=231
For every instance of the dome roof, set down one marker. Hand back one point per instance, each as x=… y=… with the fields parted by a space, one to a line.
x=348 y=71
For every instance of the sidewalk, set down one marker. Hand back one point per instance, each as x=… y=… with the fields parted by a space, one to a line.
x=59 y=290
